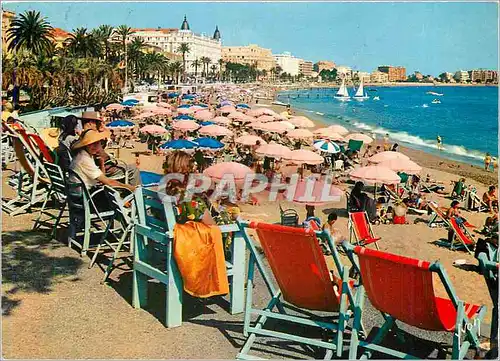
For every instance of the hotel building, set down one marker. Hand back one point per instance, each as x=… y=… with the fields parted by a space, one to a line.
x=324 y=65
x=249 y=55
x=379 y=77
x=395 y=73
x=288 y=63
x=483 y=76
x=306 y=68
x=461 y=76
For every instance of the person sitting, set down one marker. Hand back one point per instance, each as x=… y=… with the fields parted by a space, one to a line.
x=359 y=202
x=368 y=152
x=490 y=198
x=68 y=136
x=395 y=147
x=336 y=234
x=311 y=220
x=458 y=188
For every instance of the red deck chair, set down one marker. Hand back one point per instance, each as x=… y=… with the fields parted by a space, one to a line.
x=402 y=289
x=303 y=281
x=462 y=235
x=359 y=226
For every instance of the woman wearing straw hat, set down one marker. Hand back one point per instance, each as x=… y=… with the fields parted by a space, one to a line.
x=83 y=164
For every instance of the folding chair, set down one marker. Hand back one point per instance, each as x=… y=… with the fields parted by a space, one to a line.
x=488 y=264
x=289 y=217
x=303 y=281
x=402 y=289
x=56 y=193
x=461 y=235
x=360 y=228
x=153 y=256
x=124 y=209
x=474 y=203
x=437 y=218
x=354 y=145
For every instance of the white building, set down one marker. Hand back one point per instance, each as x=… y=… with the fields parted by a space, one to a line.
x=362 y=75
x=288 y=63
x=344 y=71
x=169 y=40
x=461 y=76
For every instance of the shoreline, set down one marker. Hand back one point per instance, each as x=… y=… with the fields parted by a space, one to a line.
x=385 y=85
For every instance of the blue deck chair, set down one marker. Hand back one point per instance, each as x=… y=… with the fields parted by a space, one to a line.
x=153 y=256
x=402 y=289
x=303 y=281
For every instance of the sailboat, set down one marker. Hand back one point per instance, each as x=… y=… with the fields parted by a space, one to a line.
x=360 y=93
x=343 y=93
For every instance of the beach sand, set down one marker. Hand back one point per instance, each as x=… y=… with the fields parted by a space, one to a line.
x=54 y=307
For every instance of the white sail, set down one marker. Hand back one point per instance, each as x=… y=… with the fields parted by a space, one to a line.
x=343 y=92
x=360 y=92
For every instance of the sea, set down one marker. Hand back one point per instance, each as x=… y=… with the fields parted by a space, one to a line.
x=466 y=117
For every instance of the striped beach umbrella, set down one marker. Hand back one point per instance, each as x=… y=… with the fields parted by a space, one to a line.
x=326 y=146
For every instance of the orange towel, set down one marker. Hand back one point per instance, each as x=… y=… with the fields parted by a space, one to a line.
x=199 y=254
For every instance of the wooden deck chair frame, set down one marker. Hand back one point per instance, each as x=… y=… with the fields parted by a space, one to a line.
x=122 y=235
x=472 y=197
x=464 y=321
x=80 y=199
x=154 y=237
x=57 y=193
x=354 y=232
x=437 y=216
x=345 y=298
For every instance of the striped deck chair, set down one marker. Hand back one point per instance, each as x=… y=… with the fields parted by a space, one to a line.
x=360 y=228
x=384 y=276
x=303 y=283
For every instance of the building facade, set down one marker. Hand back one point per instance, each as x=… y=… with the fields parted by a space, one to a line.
x=59 y=36
x=288 y=63
x=249 y=55
x=344 y=72
x=7 y=17
x=169 y=41
x=395 y=73
x=306 y=68
x=461 y=76
x=323 y=65
x=379 y=77
x=362 y=75
x=483 y=76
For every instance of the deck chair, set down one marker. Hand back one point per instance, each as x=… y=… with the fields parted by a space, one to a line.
x=153 y=256
x=304 y=284
x=488 y=264
x=360 y=228
x=124 y=209
x=384 y=276
x=474 y=203
x=289 y=217
x=462 y=238
x=56 y=193
x=354 y=145
x=86 y=219
x=8 y=153
x=437 y=218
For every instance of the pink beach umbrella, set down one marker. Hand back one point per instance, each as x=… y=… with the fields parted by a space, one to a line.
x=236 y=115
x=153 y=129
x=185 y=110
x=237 y=170
x=360 y=137
x=203 y=115
x=301 y=122
x=303 y=156
x=287 y=124
x=161 y=111
x=265 y=118
x=387 y=155
x=260 y=111
x=144 y=115
x=338 y=129
x=115 y=106
x=221 y=120
x=300 y=134
x=227 y=109
x=374 y=174
x=273 y=127
x=215 y=130
x=249 y=140
x=328 y=134
x=315 y=192
x=185 y=125
x=401 y=165
x=273 y=150
x=164 y=105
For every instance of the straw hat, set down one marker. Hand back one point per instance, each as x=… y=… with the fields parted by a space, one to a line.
x=90 y=137
x=51 y=137
x=91 y=116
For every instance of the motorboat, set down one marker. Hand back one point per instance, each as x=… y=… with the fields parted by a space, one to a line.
x=436 y=101
x=376 y=98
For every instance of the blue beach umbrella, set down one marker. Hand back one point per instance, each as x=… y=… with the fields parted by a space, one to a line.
x=326 y=146
x=184 y=117
x=208 y=143
x=179 y=144
x=150 y=179
x=245 y=106
x=172 y=95
x=185 y=106
x=120 y=123
x=130 y=102
x=188 y=96
x=207 y=123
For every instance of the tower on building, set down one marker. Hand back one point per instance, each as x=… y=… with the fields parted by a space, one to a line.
x=185 y=24
x=216 y=33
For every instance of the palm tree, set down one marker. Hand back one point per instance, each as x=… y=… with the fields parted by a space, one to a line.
x=206 y=62
x=221 y=64
x=195 y=64
x=82 y=44
x=214 y=69
x=30 y=31
x=102 y=35
x=184 y=49
x=175 y=70
x=122 y=33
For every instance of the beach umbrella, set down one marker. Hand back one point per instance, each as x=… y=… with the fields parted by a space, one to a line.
x=225 y=103
x=322 y=192
x=272 y=127
x=358 y=136
x=236 y=115
x=184 y=106
x=287 y=124
x=153 y=129
x=227 y=109
x=243 y=106
x=203 y=115
x=301 y=122
x=265 y=118
x=401 y=165
x=144 y=115
x=326 y=146
x=120 y=124
x=261 y=111
x=172 y=95
x=188 y=96
x=374 y=174
x=237 y=170
x=161 y=111
x=303 y=156
x=272 y=150
x=183 y=117
x=186 y=125
x=249 y=140
x=387 y=155
x=179 y=144
x=202 y=105
x=338 y=129
x=328 y=134
x=206 y=123
x=164 y=105
x=215 y=130
x=115 y=106
x=221 y=120
x=185 y=111
x=129 y=103
x=208 y=143
x=299 y=134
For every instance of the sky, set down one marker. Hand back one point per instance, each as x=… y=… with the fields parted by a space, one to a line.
x=430 y=37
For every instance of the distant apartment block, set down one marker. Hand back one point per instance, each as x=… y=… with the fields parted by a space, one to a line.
x=288 y=63
x=306 y=68
x=250 y=55
x=323 y=65
x=362 y=75
x=483 y=76
x=379 y=77
x=461 y=76
x=344 y=72
x=395 y=73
